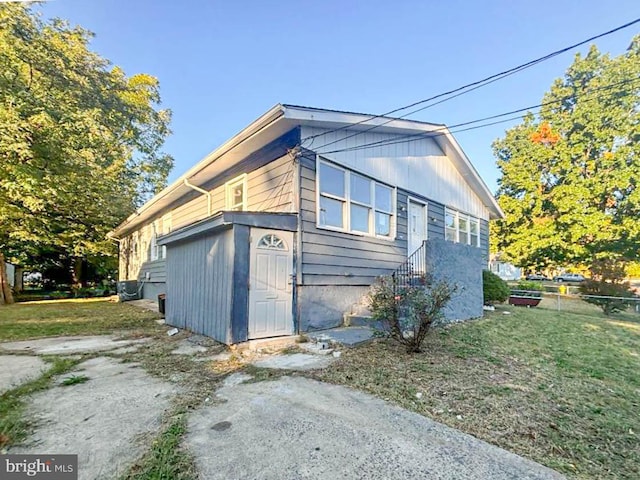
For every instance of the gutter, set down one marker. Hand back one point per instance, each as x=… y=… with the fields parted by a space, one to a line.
x=200 y=190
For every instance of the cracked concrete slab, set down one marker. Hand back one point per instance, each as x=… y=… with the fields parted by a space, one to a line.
x=102 y=420
x=69 y=345
x=18 y=369
x=296 y=361
x=300 y=428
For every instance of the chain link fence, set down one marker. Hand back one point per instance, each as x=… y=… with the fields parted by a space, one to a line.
x=568 y=299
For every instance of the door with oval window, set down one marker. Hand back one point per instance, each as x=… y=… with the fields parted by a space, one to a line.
x=270 y=283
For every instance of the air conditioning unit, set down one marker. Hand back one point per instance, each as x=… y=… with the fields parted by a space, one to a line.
x=128 y=290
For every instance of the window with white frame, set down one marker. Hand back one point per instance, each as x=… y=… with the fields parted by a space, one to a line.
x=153 y=247
x=236 y=194
x=451 y=225
x=462 y=228
x=159 y=227
x=165 y=229
x=351 y=202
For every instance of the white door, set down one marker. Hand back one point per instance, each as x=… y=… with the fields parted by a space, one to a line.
x=270 y=283
x=417 y=226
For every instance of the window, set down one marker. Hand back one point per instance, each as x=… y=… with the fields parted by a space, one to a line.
x=236 y=193
x=153 y=247
x=354 y=203
x=332 y=196
x=451 y=225
x=461 y=228
x=272 y=242
x=474 y=234
x=159 y=227
x=384 y=205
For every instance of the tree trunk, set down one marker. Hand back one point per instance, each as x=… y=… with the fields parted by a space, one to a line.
x=6 y=297
x=77 y=273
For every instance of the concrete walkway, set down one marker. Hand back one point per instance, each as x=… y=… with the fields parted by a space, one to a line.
x=300 y=428
x=102 y=420
x=18 y=369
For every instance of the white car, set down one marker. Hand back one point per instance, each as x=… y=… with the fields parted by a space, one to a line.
x=569 y=277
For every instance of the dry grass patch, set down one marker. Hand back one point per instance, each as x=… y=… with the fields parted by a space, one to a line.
x=559 y=388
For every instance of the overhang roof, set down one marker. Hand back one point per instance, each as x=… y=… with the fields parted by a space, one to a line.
x=279 y=120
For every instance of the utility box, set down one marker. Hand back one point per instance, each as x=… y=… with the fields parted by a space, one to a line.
x=128 y=290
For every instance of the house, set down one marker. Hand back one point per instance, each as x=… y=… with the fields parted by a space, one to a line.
x=283 y=228
x=505 y=270
x=14 y=276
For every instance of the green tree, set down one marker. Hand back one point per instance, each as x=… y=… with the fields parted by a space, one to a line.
x=569 y=176
x=80 y=143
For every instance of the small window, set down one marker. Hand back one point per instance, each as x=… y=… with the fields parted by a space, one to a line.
x=451 y=225
x=331 y=212
x=236 y=194
x=154 y=249
x=474 y=235
x=463 y=228
x=384 y=212
x=331 y=180
x=272 y=242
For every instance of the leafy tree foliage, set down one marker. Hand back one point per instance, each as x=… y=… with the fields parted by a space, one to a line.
x=79 y=143
x=569 y=178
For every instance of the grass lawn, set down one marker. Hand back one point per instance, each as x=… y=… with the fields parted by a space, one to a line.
x=560 y=388
x=71 y=317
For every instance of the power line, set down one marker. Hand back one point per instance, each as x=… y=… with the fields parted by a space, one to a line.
x=452 y=128
x=468 y=87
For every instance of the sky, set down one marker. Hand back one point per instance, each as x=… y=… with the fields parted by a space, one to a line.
x=222 y=64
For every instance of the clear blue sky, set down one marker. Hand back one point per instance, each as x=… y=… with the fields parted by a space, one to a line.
x=221 y=64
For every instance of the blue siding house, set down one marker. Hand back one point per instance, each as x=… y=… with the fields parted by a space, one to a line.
x=284 y=228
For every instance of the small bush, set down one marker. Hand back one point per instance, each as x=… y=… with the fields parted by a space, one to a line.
x=529 y=286
x=408 y=312
x=495 y=289
x=607 y=280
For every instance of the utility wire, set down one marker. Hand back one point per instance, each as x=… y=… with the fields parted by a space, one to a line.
x=477 y=84
x=454 y=128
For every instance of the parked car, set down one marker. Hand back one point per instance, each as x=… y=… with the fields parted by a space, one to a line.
x=536 y=277
x=569 y=277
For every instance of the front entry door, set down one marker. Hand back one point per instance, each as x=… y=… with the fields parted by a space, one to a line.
x=270 y=283
x=417 y=226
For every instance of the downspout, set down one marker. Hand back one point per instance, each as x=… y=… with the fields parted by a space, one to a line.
x=203 y=191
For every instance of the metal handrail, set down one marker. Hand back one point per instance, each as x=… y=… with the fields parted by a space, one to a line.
x=412 y=272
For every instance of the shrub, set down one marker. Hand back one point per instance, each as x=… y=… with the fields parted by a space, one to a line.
x=607 y=280
x=494 y=288
x=529 y=286
x=408 y=312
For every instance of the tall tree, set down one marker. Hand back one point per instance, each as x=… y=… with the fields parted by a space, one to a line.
x=80 y=142
x=569 y=177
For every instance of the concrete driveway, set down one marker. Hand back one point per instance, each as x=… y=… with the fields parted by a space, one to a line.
x=297 y=428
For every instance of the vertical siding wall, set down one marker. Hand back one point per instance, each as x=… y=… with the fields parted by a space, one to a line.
x=199 y=285
x=417 y=166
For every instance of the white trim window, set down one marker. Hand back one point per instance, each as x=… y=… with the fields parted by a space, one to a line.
x=451 y=225
x=350 y=202
x=165 y=229
x=153 y=245
x=461 y=228
x=236 y=194
x=159 y=227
